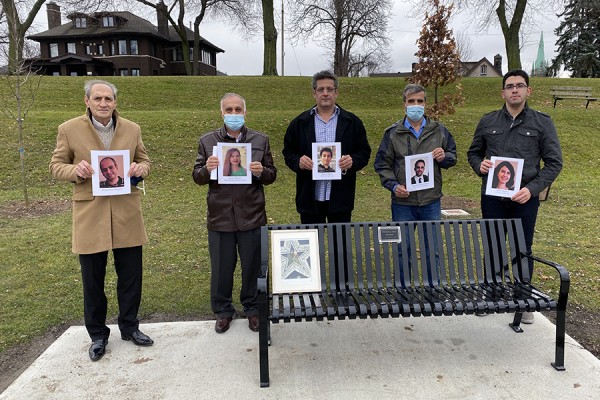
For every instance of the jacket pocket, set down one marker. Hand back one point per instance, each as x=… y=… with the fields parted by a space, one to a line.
x=527 y=145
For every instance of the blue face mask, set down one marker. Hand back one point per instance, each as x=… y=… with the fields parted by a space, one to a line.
x=415 y=113
x=234 y=122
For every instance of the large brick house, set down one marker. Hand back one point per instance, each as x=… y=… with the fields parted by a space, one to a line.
x=115 y=43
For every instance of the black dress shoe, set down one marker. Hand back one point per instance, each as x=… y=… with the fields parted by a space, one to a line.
x=97 y=349
x=138 y=338
x=222 y=324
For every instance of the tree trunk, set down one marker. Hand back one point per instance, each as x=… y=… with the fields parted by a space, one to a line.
x=511 y=32
x=17 y=30
x=269 y=39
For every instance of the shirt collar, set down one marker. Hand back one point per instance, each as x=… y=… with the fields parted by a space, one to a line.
x=408 y=126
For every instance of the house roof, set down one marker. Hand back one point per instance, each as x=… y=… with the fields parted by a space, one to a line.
x=128 y=23
x=469 y=67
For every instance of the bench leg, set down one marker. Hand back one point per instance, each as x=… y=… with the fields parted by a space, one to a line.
x=559 y=357
x=516 y=324
x=263 y=339
x=555 y=100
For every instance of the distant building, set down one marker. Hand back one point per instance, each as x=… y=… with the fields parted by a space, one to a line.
x=115 y=43
x=482 y=68
x=540 y=65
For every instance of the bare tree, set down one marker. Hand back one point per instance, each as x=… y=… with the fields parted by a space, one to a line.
x=16 y=102
x=17 y=27
x=234 y=10
x=438 y=63
x=351 y=27
x=511 y=15
x=464 y=46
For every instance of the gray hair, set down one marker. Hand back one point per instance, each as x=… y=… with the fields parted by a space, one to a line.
x=412 y=88
x=87 y=86
x=228 y=95
x=324 y=75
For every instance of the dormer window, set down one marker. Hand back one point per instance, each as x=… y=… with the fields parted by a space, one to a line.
x=80 y=22
x=108 y=21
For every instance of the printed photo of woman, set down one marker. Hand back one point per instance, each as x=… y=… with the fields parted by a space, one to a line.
x=232 y=165
x=504 y=176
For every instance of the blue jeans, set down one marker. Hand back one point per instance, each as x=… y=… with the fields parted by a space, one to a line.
x=430 y=212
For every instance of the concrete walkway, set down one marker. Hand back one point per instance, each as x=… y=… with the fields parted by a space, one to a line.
x=461 y=357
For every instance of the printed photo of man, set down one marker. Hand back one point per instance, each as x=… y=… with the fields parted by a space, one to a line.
x=110 y=171
x=419 y=176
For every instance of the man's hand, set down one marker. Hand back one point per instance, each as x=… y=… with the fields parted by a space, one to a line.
x=522 y=196
x=84 y=170
x=345 y=162
x=135 y=170
x=485 y=166
x=401 y=192
x=439 y=154
x=256 y=168
x=212 y=162
x=305 y=163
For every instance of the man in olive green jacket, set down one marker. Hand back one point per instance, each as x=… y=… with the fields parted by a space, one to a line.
x=103 y=223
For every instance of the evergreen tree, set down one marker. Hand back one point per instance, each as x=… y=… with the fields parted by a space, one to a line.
x=579 y=39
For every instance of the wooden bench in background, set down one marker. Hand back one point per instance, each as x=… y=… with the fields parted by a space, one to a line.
x=483 y=269
x=572 y=92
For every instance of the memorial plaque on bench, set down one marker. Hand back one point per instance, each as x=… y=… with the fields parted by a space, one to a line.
x=389 y=234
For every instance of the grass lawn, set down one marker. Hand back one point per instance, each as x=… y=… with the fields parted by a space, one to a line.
x=39 y=276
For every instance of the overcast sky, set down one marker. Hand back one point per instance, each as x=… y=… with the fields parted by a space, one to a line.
x=245 y=58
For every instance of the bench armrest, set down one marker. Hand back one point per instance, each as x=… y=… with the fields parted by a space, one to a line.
x=565 y=280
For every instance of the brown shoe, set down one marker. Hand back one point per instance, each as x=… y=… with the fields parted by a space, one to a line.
x=253 y=323
x=222 y=324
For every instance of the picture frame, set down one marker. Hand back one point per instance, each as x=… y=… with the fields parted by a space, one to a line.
x=227 y=172
x=411 y=163
x=497 y=182
x=326 y=168
x=110 y=165
x=295 y=261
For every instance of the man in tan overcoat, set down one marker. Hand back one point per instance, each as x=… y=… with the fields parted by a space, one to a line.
x=103 y=223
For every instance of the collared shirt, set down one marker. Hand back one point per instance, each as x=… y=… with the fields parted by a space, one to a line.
x=324 y=132
x=408 y=126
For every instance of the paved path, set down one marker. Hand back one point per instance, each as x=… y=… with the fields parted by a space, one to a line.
x=460 y=357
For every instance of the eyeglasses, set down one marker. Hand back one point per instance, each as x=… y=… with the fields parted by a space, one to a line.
x=510 y=86
x=321 y=90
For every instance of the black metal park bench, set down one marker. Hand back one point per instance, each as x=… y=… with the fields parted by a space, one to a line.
x=480 y=267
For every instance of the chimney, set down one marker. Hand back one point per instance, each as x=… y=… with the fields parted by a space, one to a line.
x=161 y=18
x=54 y=18
x=498 y=63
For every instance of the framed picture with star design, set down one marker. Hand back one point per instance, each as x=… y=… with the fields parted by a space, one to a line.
x=295 y=265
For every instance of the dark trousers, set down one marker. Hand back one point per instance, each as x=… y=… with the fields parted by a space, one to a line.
x=494 y=207
x=323 y=215
x=128 y=266
x=224 y=248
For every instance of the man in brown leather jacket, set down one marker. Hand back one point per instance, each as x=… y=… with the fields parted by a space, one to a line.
x=235 y=213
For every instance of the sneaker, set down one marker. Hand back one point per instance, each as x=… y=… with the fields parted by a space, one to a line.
x=527 y=318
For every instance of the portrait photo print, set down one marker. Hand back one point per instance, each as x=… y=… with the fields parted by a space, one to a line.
x=504 y=178
x=110 y=172
x=234 y=163
x=325 y=157
x=419 y=172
